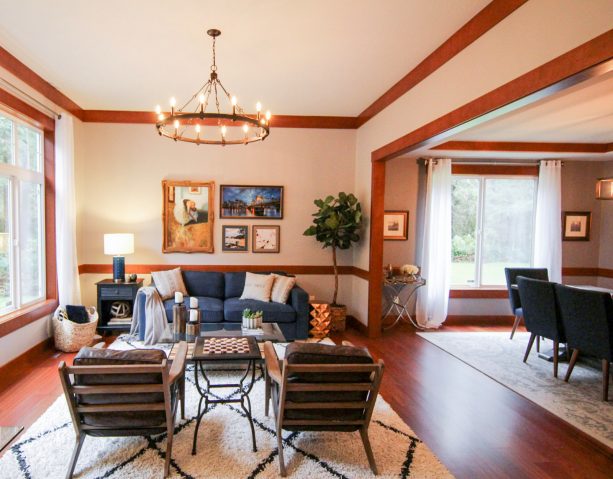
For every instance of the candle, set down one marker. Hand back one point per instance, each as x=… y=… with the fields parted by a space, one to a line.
x=193 y=315
x=193 y=302
x=178 y=297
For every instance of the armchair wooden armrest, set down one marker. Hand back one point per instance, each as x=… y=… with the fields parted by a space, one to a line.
x=272 y=362
x=178 y=364
x=348 y=343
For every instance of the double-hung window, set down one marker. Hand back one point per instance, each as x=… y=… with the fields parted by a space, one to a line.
x=22 y=248
x=492 y=227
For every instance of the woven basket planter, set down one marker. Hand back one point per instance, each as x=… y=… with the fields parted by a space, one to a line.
x=70 y=336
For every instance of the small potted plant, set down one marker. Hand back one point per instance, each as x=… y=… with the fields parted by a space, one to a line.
x=252 y=319
x=336 y=225
x=410 y=271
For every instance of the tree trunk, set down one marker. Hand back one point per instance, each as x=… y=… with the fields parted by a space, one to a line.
x=335 y=275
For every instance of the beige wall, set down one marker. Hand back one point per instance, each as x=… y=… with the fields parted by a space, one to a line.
x=605 y=259
x=532 y=35
x=120 y=169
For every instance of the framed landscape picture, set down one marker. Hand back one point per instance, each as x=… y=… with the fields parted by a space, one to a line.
x=266 y=239
x=576 y=225
x=187 y=216
x=235 y=238
x=396 y=225
x=253 y=202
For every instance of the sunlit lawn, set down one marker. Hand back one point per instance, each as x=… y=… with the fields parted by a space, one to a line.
x=492 y=275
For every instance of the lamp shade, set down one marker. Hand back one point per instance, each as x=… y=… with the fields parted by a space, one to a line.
x=604 y=189
x=118 y=244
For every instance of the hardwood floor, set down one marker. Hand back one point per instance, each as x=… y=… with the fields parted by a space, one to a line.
x=476 y=426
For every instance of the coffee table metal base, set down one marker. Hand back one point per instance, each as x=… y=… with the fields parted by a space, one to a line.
x=242 y=399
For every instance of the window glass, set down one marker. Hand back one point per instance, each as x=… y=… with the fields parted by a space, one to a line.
x=465 y=202
x=5 y=246
x=508 y=230
x=30 y=250
x=29 y=148
x=6 y=140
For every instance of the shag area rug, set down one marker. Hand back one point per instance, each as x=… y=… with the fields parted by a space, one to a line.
x=495 y=355
x=224 y=446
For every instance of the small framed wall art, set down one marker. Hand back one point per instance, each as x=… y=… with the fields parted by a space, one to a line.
x=235 y=238
x=576 y=225
x=252 y=202
x=396 y=225
x=187 y=216
x=266 y=239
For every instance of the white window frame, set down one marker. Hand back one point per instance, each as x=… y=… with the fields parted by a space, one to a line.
x=16 y=175
x=479 y=227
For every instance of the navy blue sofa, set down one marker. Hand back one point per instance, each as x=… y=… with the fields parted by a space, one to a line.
x=218 y=300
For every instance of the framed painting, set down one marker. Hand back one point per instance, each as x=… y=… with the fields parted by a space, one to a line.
x=266 y=239
x=187 y=216
x=235 y=238
x=396 y=225
x=576 y=225
x=253 y=202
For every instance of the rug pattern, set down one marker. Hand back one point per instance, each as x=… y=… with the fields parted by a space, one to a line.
x=224 y=447
x=495 y=355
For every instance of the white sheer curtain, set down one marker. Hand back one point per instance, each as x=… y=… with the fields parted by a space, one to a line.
x=433 y=298
x=65 y=213
x=548 y=227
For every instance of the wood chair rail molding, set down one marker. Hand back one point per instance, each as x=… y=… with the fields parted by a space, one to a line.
x=525 y=146
x=591 y=59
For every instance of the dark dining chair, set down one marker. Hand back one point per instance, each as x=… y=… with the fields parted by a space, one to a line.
x=541 y=315
x=588 y=322
x=511 y=275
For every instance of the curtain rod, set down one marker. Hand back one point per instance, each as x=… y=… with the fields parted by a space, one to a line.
x=29 y=99
x=490 y=163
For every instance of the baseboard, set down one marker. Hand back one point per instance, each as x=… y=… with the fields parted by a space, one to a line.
x=355 y=323
x=481 y=320
x=36 y=350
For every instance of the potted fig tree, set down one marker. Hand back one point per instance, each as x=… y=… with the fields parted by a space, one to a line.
x=336 y=225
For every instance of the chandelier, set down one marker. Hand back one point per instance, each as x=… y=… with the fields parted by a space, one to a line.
x=194 y=124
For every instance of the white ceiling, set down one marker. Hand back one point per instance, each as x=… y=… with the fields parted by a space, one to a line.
x=580 y=114
x=315 y=57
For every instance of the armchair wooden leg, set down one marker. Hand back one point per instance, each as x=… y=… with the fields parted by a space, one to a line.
x=182 y=392
x=515 y=325
x=282 y=471
x=267 y=387
x=538 y=344
x=530 y=343
x=556 y=350
x=169 y=437
x=368 y=449
x=571 y=365
x=75 y=456
x=605 y=379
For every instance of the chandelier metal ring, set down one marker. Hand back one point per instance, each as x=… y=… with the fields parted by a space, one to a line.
x=198 y=126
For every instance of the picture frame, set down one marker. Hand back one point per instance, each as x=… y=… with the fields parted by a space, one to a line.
x=576 y=225
x=251 y=202
x=396 y=225
x=235 y=238
x=188 y=215
x=266 y=239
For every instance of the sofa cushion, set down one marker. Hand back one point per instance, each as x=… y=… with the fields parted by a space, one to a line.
x=281 y=288
x=258 y=286
x=168 y=282
x=211 y=309
x=204 y=283
x=273 y=312
x=235 y=283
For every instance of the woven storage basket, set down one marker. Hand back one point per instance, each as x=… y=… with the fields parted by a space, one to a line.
x=70 y=336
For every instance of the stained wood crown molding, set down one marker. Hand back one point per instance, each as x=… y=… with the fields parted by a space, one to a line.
x=525 y=146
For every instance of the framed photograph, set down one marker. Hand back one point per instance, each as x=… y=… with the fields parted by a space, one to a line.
x=576 y=225
x=187 y=216
x=253 y=202
x=266 y=239
x=235 y=238
x=396 y=225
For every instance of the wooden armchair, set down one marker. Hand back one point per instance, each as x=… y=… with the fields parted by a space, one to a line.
x=123 y=393
x=322 y=388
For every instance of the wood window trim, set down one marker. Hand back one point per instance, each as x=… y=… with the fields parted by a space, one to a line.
x=15 y=320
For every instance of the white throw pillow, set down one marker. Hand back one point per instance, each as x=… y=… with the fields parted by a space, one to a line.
x=281 y=288
x=169 y=282
x=258 y=286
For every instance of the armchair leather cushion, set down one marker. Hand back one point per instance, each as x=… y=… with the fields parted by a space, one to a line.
x=109 y=357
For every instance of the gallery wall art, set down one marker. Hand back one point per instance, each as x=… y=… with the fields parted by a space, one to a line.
x=251 y=202
x=266 y=239
x=188 y=216
x=235 y=238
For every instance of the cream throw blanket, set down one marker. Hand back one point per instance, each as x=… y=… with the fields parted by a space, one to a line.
x=156 y=324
